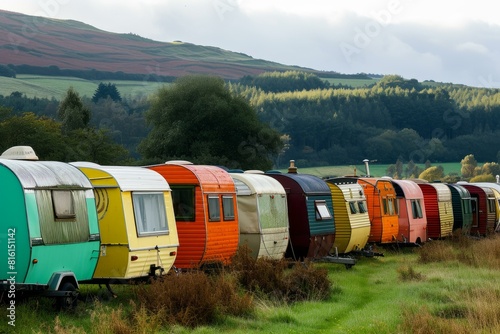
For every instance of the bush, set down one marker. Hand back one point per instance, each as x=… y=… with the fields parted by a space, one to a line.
x=280 y=280
x=409 y=274
x=193 y=298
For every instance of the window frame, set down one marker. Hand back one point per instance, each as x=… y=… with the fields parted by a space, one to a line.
x=58 y=196
x=319 y=207
x=136 y=197
x=229 y=199
x=212 y=198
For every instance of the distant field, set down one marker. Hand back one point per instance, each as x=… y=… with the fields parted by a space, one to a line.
x=357 y=83
x=48 y=87
x=377 y=170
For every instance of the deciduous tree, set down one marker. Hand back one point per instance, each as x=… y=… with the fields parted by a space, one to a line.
x=198 y=119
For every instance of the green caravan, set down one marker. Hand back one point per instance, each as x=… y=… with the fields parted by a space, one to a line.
x=49 y=228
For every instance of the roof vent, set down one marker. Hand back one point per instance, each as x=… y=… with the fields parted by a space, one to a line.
x=254 y=171
x=20 y=153
x=178 y=162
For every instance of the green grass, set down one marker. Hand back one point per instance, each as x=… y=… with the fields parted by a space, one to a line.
x=356 y=83
x=377 y=170
x=372 y=297
x=48 y=87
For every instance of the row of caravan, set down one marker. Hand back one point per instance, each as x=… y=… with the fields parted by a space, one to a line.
x=69 y=223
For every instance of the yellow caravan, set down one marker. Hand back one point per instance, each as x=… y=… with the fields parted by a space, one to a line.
x=136 y=222
x=350 y=212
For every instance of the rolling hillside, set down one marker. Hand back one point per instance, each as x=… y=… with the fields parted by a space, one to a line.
x=68 y=44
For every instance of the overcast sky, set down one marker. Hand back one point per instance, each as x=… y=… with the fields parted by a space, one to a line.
x=448 y=41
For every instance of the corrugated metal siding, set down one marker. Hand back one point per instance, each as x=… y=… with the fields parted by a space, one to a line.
x=484 y=219
x=462 y=215
x=431 y=210
x=446 y=218
x=192 y=235
x=214 y=241
x=320 y=227
x=491 y=210
x=384 y=227
x=445 y=209
x=38 y=174
x=351 y=230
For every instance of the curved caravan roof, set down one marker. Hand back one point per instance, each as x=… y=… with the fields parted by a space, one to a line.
x=209 y=177
x=46 y=174
x=310 y=184
x=250 y=184
x=407 y=189
x=129 y=178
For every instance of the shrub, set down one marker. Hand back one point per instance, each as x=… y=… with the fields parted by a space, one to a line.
x=436 y=251
x=193 y=298
x=305 y=282
x=280 y=280
x=409 y=274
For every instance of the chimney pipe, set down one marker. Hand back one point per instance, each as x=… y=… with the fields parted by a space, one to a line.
x=367 y=166
x=292 y=169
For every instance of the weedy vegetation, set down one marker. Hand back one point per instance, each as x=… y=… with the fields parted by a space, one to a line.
x=446 y=286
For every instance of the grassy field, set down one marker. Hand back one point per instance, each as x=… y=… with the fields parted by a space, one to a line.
x=356 y=83
x=48 y=87
x=377 y=170
x=444 y=287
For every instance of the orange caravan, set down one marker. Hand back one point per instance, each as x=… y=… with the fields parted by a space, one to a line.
x=381 y=201
x=205 y=212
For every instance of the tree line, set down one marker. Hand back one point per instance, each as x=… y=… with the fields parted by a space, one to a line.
x=318 y=124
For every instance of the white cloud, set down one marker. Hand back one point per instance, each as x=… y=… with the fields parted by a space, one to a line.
x=473 y=47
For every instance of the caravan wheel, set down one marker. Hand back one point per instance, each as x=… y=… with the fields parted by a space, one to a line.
x=67 y=302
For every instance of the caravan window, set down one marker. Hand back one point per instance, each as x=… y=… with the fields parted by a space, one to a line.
x=63 y=203
x=150 y=213
x=362 y=207
x=491 y=205
x=183 y=201
x=63 y=215
x=388 y=204
x=228 y=207
x=352 y=206
x=322 y=212
x=213 y=208
x=416 y=209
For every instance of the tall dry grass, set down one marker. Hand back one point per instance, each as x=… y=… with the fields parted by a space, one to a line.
x=469 y=310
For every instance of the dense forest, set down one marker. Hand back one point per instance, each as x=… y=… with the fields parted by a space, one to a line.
x=324 y=124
